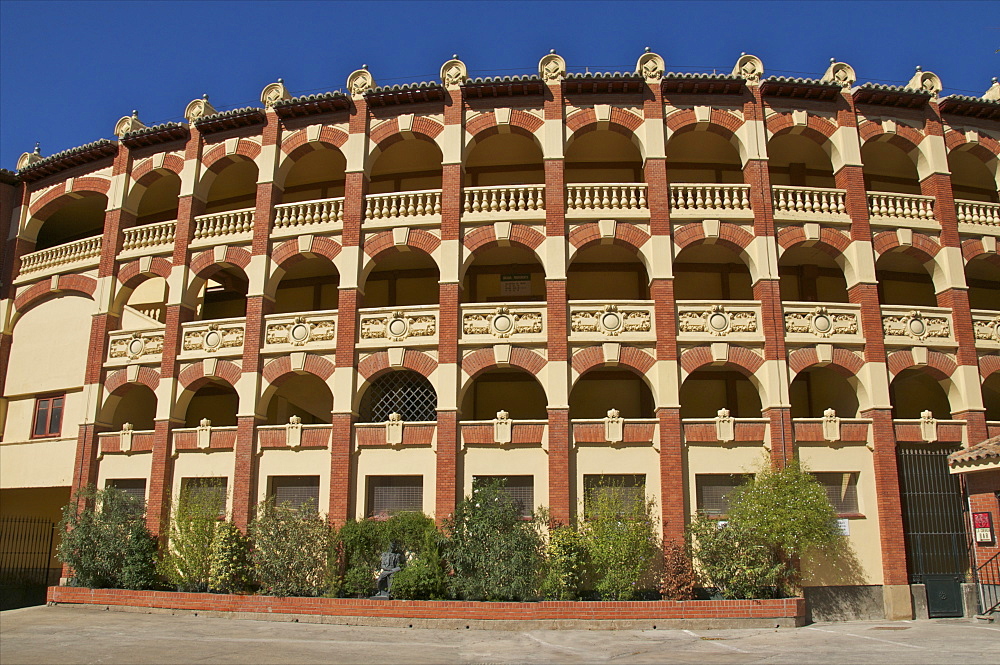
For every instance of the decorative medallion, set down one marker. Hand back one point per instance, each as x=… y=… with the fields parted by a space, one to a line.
x=454 y=73
x=749 y=67
x=360 y=81
x=650 y=67
x=552 y=67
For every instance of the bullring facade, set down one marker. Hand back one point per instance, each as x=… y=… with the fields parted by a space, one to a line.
x=374 y=297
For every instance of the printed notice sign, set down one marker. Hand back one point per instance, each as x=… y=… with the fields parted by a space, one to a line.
x=844 y=525
x=516 y=284
x=982 y=524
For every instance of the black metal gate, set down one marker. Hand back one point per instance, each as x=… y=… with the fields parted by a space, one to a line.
x=26 y=567
x=934 y=524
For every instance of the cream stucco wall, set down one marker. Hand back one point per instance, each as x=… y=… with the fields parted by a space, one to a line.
x=514 y=461
x=41 y=463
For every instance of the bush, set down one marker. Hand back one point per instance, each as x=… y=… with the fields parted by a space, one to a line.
x=423 y=576
x=194 y=520
x=360 y=545
x=290 y=550
x=566 y=558
x=230 y=570
x=621 y=543
x=679 y=579
x=105 y=541
x=493 y=553
x=735 y=560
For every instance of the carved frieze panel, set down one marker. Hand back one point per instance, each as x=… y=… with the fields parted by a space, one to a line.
x=821 y=323
x=717 y=320
x=213 y=338
x=501 y=323
x=398 y=327
x=987 y=330
x=136 y=346
x=610 y=320
x=916 y=326
x=301 y=331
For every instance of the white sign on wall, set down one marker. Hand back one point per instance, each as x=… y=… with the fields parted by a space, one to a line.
x=515 y=285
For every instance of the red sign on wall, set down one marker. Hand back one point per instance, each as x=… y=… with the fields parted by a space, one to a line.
x=982 y=525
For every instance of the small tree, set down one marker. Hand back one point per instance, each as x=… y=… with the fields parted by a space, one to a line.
x=194 y=520
x=290 y=549
x=230 y=569
x=105 y=540
x=735 y=560
x=494 y=553
x=566 y=559
x=423 y=576
x=620 y=540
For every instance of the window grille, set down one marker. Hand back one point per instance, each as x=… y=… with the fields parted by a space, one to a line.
x=404 y=392
x=296 y=491
x=394 y=494
x=841 y=490
x=712 y=491
x=627 y=490
x=521 y=490
x=133 y=487
x=197 y=488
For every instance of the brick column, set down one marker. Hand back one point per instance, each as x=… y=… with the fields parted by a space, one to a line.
x=161 y=475
x=355 y=187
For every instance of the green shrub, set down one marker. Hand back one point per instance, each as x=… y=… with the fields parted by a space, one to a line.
x=105 y=541
x=493 y=553
x=566 y=563
x=193 y=523
x=230 y=570
x=735 y=560
x=290 y=550
x=621 y=543
x=360 y=545
x=423 y=576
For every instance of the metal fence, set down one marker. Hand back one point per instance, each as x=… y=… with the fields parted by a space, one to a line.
x=26 y=551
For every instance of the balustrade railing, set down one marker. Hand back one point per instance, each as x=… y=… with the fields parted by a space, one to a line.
x=503 y=321
x=403 y=204
x=909 y=324
x=724 y=318
x=606 y=196
x=504 y=199
x=901 y=206
x=231 y=222
x=417 y=324
x=149 y=235
x=977 y=212
x=301 y=215
x=53 y=257
x=811 y=320
x=221 y=337
x=808 y=201
x=726 y=200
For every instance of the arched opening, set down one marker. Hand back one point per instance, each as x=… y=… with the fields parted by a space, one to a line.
x=400 y=279
x=711 y=272
x=888 y=169
x=146 y=306
x=76 y=219
x=808 y=274
x=971 y=179
x=316 y=175
x=304 y=395
x=159 y=201
x=217 y=401
x=406 y=166
x=223 y=295
x=903 y=280
x=913 y=391
x=504 y=159
x=602 y=155
x=709 y=389
x=606 y=272
x=405 y=392
x=512 y=390
x=817 y=389
x=796 y=160
x=603 y=389
x=234 y=188
x=983 y=278
x=308 y=286
x=991 y=397
x=504 y=274
x=134 y=404
x=703 y=157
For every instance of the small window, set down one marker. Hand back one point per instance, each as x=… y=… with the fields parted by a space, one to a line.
x=133 y=487
x=394 y=494
x=296 y=491
x=842 y=491
x=48 y=416
x=520 y=488
x=712 y=491
x=627 y=490
x=196 y=488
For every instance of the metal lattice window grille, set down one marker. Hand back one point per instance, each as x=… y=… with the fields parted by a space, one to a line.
x=712 y=491
x=521 y=490
x=627 y=490
x=296 y=491
x=404 y=392
x=393 y=494
x=196 y=488
x=134 y=487
x=841 y=490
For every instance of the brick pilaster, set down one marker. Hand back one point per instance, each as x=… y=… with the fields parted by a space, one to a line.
x=890 y=506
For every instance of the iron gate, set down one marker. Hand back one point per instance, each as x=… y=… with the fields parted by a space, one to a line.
x=937 y=548
x=25 y=561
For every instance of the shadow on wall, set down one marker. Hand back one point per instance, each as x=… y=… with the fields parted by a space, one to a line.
x=843 y=603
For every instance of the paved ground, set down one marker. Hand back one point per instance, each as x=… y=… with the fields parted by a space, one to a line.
x=65 y=635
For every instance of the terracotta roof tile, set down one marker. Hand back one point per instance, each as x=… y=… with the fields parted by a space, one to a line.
x=982 y=450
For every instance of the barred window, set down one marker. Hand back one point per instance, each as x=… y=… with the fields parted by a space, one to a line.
x=842 y=491
x=197 y=489
x=404 y=392
x=394 y=494
x=628 y=491
x=133 y=487
x=296 y=491
x=521 y=490
x=712 y=491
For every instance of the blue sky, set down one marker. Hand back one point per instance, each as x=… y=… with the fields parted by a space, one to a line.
x=69 y=70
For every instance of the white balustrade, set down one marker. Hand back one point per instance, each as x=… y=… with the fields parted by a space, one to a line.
x=808 y=201
x=403 y=204
x=231 y=222
x=977 y=212
x=53 y=257
x=504 y=198
x=901 y=206
x=601 y=196
x=725 y=200
x=149 y=235
x=308 y=213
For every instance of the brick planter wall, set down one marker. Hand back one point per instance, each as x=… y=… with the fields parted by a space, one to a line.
x=785 y=612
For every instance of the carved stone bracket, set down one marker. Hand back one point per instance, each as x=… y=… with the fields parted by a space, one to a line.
x=502 y=428
x=614 y=427
x=293 y=432
x=725 y=426
x=394 y=430
x=928 y=426
x=831 y=426
x=125 y=438
x=204 y=434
